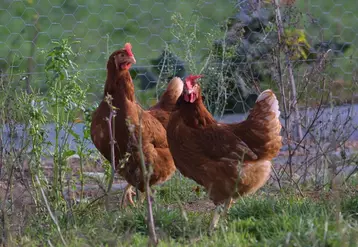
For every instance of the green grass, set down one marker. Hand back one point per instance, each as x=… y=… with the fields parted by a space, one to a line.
x=260 y=220
x=182 y=214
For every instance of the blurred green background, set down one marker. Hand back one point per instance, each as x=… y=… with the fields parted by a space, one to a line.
x=28 y=27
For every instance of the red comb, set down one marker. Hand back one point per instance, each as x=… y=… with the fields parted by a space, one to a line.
x=128 y=48
x=190 y=80
x=195 y=77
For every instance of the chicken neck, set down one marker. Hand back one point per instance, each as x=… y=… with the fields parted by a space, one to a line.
x=195 y=114
x=119 y=84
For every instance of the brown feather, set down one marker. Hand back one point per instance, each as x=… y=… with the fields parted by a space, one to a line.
x=228 y=160
x=155 y=146
x=167 y=102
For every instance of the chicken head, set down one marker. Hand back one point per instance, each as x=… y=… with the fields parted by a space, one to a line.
x=191 y=88
x=123 y=58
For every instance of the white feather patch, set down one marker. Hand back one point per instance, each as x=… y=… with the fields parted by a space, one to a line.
x=272 y=102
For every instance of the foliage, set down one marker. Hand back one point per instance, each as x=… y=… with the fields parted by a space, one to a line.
x=30 y=26
x=245 y=57
x=266 y=220
x=38 y=208
x=59 y=109
x=64 y=100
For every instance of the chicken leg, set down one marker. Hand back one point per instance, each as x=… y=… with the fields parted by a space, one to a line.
x=217 y=214
x=128 y=194
x=141 y=198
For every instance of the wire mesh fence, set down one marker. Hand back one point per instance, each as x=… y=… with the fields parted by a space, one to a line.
x=305 y=50
x=28 y=27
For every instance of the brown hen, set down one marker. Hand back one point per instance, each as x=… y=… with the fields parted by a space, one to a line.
x=229 y=160
x=154 y=143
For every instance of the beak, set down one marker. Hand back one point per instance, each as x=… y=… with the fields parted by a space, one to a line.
x=190 y=91
x=132 y=60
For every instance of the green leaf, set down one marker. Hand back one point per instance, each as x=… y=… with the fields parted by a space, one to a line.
x=74 y=134
x=67 y=153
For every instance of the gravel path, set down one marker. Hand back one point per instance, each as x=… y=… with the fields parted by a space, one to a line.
x=329 y=124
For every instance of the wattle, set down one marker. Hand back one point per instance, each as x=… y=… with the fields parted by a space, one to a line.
x=192 y=98
x=186 y=97
x=126 y=66
x=189 y=98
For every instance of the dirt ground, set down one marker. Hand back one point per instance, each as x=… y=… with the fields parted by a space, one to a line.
x=22 y=202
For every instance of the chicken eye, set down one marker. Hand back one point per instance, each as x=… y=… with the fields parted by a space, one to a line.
x=120 y=55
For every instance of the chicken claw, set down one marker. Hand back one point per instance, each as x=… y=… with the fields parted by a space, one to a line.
x=127 y=196
x=217 y=214
x=141 y=198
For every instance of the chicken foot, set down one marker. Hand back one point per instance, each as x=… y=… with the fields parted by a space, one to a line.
x=141 y=198
x=217 y=214
x=128 y=197
x=128 y=194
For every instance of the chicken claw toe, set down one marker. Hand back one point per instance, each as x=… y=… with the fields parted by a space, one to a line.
x=141 y=198
x=219 y=210
x=215 y=220
x=127 y=196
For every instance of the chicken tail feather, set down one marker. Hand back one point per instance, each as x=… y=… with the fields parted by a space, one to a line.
x=266 y=109
x=261 y=130
x=271 y=101
x=170 y=96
